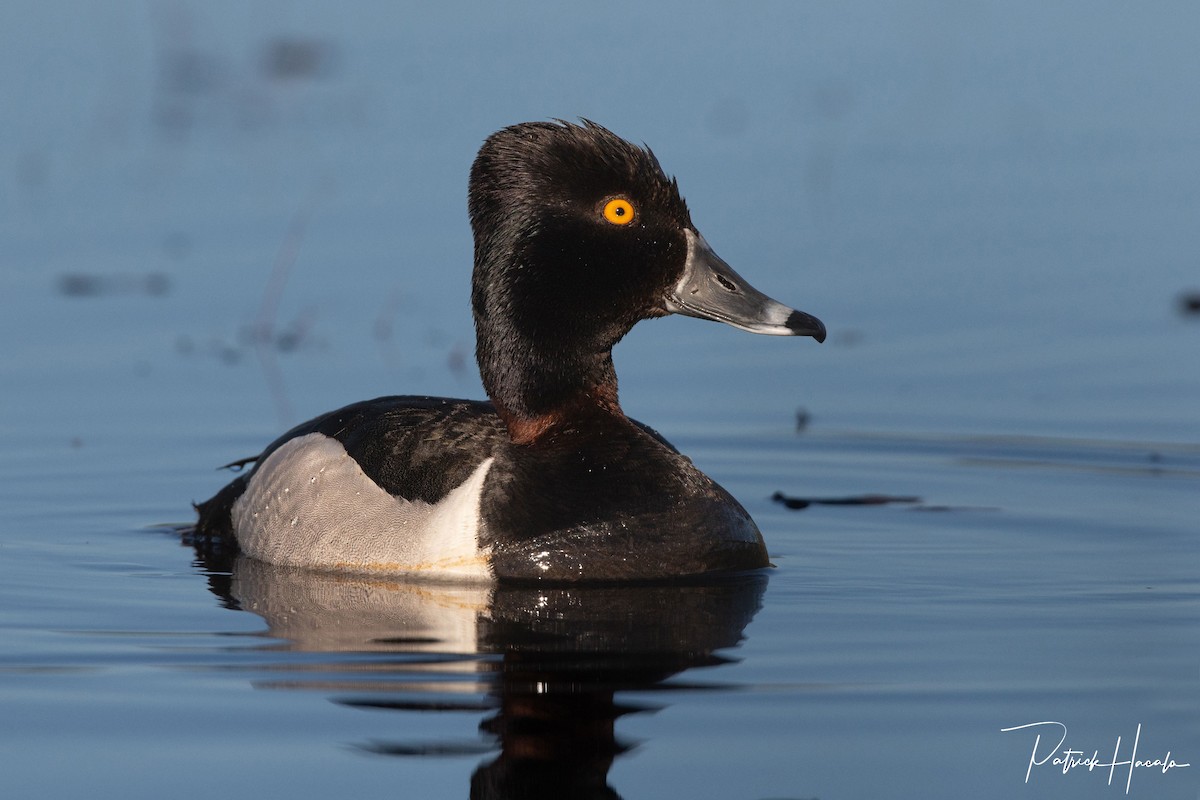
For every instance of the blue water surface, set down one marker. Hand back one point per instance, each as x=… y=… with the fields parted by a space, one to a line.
x=220 y=219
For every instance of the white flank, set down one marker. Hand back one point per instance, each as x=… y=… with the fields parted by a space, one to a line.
x=310 y=505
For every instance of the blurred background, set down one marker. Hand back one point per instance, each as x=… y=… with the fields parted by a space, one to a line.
x=235 y=215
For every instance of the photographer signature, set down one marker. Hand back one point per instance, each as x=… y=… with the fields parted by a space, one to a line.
x=1068 y=758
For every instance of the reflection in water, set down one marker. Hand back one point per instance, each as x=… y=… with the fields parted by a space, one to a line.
x=544 y=661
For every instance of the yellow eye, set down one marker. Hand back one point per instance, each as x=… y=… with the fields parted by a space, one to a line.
x=618 y=211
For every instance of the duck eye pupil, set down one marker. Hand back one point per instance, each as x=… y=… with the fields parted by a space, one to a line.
x=619 y=211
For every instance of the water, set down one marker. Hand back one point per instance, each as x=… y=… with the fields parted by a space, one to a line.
x=992 y=207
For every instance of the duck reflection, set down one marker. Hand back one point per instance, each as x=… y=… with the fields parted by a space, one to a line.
x=544 y=662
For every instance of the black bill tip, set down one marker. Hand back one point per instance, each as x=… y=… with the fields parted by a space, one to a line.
x=801 y=324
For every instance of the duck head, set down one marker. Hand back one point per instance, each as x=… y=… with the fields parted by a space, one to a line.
x=578 y=236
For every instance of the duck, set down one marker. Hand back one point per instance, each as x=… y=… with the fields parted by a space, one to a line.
x=578 y=236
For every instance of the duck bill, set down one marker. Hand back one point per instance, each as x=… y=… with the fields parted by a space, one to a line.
x=710 y=289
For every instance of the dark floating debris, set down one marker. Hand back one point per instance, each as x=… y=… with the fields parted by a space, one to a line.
x=294 y=59
x=797 y=503
x=424 y=749
x=83 y=284
x=1189 y=303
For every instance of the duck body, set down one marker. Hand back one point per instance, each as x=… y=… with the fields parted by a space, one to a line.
x=578 y=236
x=435 y=487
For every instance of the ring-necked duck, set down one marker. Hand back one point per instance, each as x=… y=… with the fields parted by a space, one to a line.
x=578 y=236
